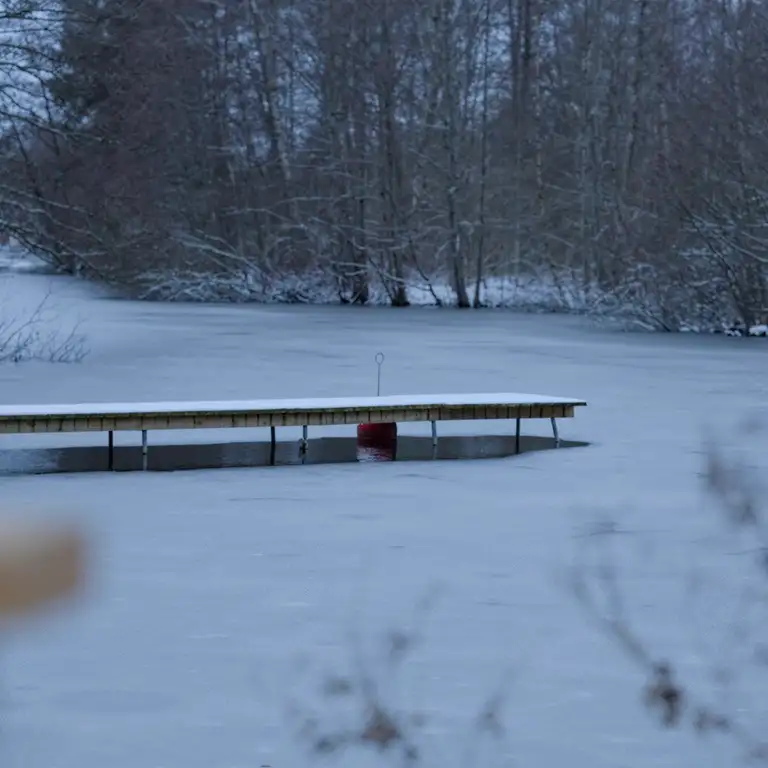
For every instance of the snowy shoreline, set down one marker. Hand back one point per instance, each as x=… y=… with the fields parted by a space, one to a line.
x=530 y=295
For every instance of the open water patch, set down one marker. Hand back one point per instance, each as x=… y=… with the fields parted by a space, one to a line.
x=320 y=450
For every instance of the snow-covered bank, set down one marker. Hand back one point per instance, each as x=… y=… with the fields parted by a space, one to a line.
x=542 y=292
x=629 y=307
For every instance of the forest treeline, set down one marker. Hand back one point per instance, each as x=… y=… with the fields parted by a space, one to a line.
x=615 y=150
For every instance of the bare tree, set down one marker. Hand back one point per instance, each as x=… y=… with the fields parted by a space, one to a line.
x=296 y=150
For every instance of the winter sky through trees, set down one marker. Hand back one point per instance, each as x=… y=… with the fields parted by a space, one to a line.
x=300 y=150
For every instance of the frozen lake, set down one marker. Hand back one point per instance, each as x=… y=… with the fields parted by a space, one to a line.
x=221 y=600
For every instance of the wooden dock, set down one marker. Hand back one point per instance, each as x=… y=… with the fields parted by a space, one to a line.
x=305 y=413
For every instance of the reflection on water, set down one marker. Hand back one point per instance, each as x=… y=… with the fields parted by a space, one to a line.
x=322 y=450
x=365 y=452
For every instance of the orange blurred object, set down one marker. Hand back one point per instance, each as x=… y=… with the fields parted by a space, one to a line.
x=39 y=563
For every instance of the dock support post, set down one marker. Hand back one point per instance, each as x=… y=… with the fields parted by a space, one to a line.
x=517 y=435
x=303 y=443
x=111 y=451
x=555 y=432
x=434 y=434
x=144 y=451
x=272 y=445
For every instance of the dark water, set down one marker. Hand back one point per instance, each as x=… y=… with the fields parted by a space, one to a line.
x=321 y=450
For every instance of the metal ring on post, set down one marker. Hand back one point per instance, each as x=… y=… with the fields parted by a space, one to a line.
x=379 y=358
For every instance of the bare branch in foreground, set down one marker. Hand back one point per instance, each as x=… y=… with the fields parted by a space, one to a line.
x=35 y=336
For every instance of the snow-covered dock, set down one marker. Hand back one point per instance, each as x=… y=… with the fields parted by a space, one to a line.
x=326 y=411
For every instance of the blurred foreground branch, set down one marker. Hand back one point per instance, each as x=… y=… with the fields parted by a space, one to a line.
x=735 y=488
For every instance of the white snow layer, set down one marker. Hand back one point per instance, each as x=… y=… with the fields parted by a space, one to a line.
x=282 y=405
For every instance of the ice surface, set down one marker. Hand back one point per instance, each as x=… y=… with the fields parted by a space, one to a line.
x=221 y=599
x=294 y=404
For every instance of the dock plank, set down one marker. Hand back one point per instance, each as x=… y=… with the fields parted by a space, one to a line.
x=88 y=417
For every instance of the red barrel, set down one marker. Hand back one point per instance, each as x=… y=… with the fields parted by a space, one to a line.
x=376 y=442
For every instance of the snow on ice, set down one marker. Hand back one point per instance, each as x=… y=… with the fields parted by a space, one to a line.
x=220 y=601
